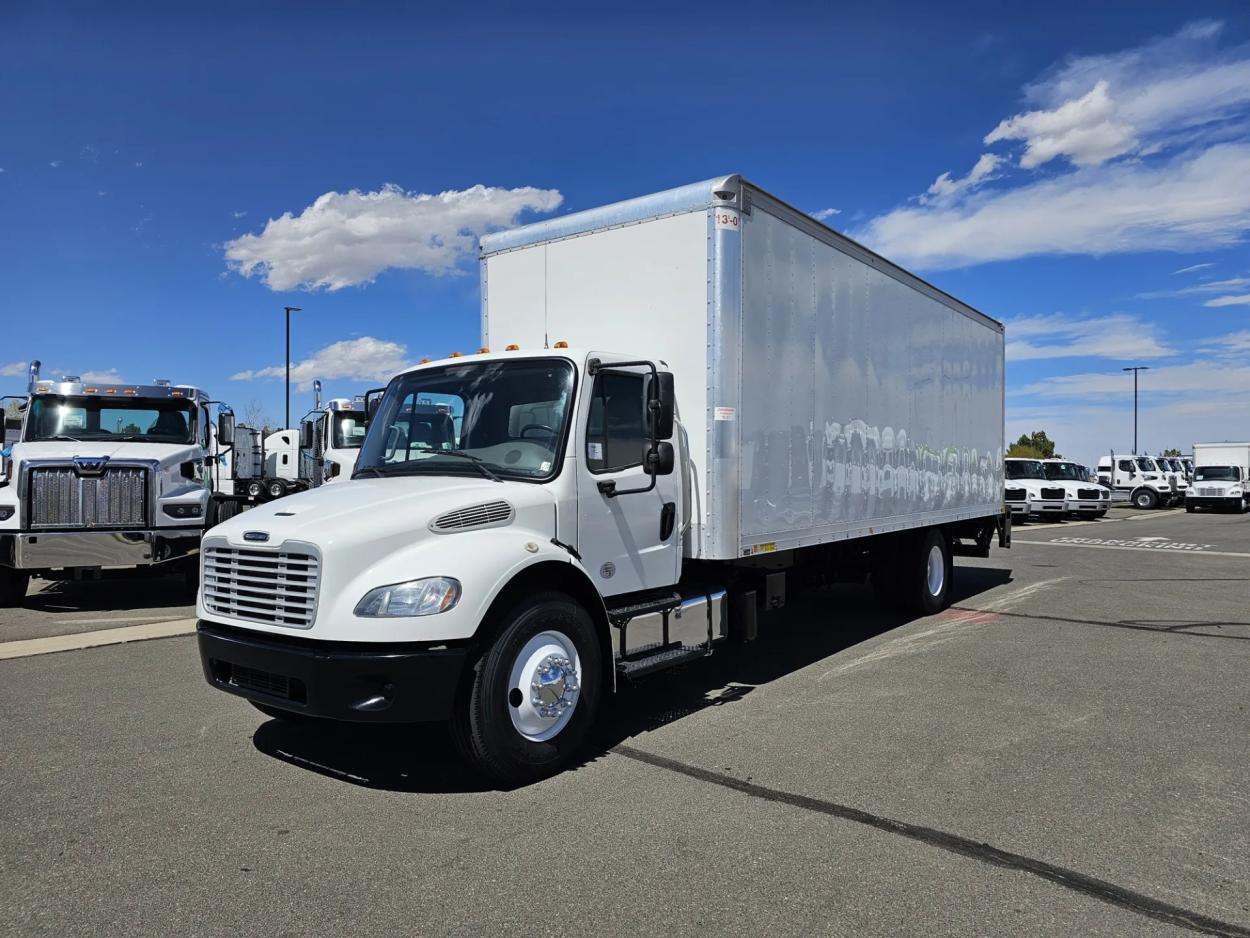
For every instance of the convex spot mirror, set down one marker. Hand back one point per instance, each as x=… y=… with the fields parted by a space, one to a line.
x=225 y=428
x=660 y=419
x=658 y=461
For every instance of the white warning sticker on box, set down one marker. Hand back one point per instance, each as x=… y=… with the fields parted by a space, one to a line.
x=724 y=413
x=728 y=218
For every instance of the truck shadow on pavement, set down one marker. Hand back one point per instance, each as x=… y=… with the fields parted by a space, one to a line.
x=111 y=593
x=421 y=758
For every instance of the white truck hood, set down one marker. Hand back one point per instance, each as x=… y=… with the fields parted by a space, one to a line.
x=164 y=453
x=373 y=511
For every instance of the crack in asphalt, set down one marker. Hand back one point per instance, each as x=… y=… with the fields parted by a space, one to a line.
x=1091 y=886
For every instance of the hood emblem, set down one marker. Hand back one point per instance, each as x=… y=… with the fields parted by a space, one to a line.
x=90 y=465
x=260 y=536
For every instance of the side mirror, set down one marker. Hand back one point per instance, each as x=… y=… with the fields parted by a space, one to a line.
x=658 y=461
x=663 y=415
x=372 y=399
x=225 y=428
x=306 y=435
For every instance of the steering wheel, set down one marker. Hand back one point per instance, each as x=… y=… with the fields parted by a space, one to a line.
x=536 y=426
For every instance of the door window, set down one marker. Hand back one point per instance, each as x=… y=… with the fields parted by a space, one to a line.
x=615 y=432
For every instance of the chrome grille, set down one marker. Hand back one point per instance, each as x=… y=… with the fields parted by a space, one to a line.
x=1053 y=493
x=61 y=498
x=474 y=516
x=1017 y=495
x=1090 y=494
x=1210 y=492
x=274 y=587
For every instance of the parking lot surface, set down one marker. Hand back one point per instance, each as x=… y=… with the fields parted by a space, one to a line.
x=1062 y=752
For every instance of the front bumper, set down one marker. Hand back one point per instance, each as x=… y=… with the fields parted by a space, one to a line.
x=1086 y=505
x=1214 y=501
x=1045 y=507
x=57 y=550
x=360 y=682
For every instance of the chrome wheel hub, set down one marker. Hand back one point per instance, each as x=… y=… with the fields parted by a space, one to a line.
x=544 y=686
x=935 y=570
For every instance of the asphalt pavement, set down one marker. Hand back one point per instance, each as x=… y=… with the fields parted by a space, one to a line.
x=1062 y=752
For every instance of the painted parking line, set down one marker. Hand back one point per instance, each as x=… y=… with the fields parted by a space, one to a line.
x=80 y=640
x=1149 y=544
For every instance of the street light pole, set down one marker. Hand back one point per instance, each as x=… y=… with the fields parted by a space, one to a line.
x=289 y=310
x=1135 y=369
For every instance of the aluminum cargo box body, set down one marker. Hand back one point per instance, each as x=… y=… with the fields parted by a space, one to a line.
x=827 y=394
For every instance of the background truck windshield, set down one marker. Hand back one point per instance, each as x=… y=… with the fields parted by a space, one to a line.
x=1024 y=469
x=509 y=415
x=143 y=420
x=1217 y=474
x=1066 y=470
x=349 y=431
x=1147 y=465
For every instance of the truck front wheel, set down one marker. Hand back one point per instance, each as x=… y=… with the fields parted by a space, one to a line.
x=12 y=586
x=927 y=577
x=530 y=699
x=1145 y=499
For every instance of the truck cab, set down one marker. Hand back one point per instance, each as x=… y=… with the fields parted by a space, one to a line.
x=1083 y=498
x=1030 y=493
x=105 y=476
x=345 y=424
x=1137 y=479
x=1174 y=471
x=1221 y=477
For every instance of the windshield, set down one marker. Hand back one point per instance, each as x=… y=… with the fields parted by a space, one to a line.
x=1024 y=469
x=1217 y=474
x=1147 y=465
x=1066 y=470
x=348 y=430
x=106 y=418
x=509 y=415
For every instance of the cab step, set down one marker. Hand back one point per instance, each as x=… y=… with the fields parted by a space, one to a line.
x=657 y=658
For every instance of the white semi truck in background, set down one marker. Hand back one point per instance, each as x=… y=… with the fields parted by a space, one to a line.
x=105 y=476
x=1084 y=499
x=1139 y=480
x=1221 y=477
x=528 y=526
x=1029 y=491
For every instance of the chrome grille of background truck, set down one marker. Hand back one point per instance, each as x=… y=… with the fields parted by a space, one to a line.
x=273 y=587
x=61 y=498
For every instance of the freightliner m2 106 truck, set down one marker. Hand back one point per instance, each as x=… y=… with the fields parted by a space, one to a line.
x=747 y=404
x=105 y=476
x=1221 y=477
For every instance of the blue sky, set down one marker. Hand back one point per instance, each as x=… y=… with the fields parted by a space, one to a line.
x=174 y=174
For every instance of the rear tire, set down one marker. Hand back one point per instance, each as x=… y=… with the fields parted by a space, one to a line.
x=926 y=570
x=1145 y=499
x=13 y=584
x=529 y=701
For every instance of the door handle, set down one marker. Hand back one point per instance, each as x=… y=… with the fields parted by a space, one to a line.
x=668 y=517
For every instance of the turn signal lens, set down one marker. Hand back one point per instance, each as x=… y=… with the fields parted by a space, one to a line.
x=512 y=348
x=456 y=355
x=425 y=361
x=483 y=350
x=425 y=597
x=561 y=344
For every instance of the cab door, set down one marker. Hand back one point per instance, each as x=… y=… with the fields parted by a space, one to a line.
x=628 y=541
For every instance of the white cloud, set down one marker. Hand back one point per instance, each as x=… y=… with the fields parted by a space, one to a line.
x=1237 y=300
x=1191 y=268
x=1190 y=202
x=56 y=163
x=238 y=214
x=1203 y=376
x=108 y=376
x=1083 y=129
x=13 y=369
x=826 y=213
x=1155 y=141
x=1057 y=335
x=362 y=359
x=346 y=239
x=1198 y=289
x=944 y=187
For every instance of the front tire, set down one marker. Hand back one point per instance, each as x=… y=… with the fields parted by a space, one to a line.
x=531 y=698
x=1190 y=509
x=1145 y=499
x=13 y=584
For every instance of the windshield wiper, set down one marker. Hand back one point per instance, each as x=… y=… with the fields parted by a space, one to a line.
x=61 y=438
x=476 y=460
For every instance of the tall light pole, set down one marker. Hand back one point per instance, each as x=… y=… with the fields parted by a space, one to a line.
x=289 y=310
x=1135 y=369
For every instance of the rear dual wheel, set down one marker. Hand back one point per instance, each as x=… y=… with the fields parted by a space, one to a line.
x=916 y=575
x=530 y=699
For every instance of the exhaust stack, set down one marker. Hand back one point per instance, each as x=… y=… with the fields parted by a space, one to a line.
x=34 y=374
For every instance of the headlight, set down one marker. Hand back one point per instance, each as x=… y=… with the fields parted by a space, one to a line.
x=6 y=512
x=182 y=511
x=424 y=597
x=1235 y=490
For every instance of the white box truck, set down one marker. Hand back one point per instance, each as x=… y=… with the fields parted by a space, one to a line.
x=106 y=476
x=696 y=401
x=1221 y=477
